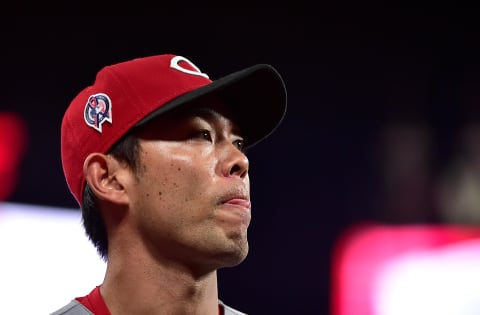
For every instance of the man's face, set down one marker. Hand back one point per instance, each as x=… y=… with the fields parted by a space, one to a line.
x=192 y=199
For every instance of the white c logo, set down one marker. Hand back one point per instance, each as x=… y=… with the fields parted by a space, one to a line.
x=175 y=64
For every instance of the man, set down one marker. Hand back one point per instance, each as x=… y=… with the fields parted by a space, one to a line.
x=154 y=153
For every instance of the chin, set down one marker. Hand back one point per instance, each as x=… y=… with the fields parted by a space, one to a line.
x=237 y=256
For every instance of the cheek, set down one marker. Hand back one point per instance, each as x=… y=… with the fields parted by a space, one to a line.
x=175 y=178
x=175 y=197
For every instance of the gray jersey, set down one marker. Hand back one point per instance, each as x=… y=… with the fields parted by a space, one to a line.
x=77 y=308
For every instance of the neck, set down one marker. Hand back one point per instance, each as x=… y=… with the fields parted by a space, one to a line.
x=143 y=286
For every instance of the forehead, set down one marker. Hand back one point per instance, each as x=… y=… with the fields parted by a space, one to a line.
x=208 y=107
x=211 y=108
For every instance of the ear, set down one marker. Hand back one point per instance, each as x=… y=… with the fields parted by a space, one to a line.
x=105 y=176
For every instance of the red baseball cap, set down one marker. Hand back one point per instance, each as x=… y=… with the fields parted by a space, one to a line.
x=133 y=92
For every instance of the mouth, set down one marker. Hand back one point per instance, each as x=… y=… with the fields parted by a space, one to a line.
x=236 y=208
x=238 y=201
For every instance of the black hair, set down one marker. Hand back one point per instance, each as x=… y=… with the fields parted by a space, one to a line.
x=126 y=150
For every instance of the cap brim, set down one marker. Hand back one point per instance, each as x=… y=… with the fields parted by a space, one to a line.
x=256 y=96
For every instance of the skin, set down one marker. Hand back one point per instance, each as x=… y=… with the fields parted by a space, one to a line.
x=178 y=219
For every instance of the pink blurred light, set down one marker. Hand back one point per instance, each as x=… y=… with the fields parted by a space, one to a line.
x=13 y=145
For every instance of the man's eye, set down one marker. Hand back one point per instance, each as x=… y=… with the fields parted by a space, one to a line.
x=205 y=134
x=240 y=144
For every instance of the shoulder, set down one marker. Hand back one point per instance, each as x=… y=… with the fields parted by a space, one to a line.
x=227 y=310
x=73 y=308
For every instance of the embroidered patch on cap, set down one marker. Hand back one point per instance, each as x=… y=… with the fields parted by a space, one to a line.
x=98 y=110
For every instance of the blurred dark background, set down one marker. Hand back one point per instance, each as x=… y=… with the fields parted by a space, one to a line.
x=383 y=110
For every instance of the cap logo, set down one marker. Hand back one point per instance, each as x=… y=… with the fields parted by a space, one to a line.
x=98 y=110
x=175 y=64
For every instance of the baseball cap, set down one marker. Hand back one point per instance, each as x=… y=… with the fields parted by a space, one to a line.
x=133 y=92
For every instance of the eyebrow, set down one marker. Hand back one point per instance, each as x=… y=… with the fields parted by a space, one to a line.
x=203 y=112
x=209 y=113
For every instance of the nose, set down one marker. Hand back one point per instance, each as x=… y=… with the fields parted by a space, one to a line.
x=235 y=162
